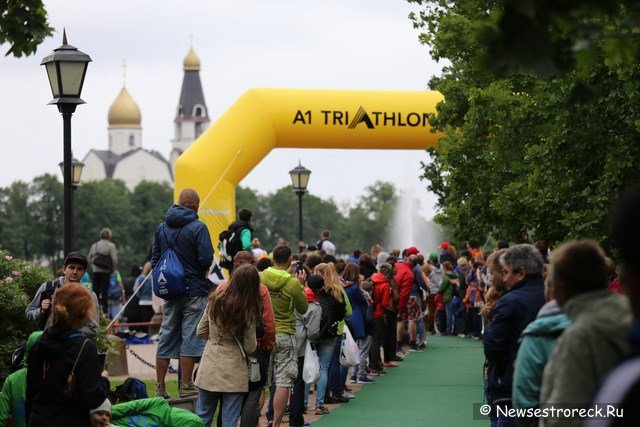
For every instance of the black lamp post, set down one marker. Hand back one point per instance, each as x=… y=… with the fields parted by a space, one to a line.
x=299 y=181
x=76 y=174
x=66 y=68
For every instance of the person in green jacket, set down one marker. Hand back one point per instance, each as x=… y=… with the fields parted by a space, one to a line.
x=152 y=411
x=287 y=295
x=14 y=391
x=536 y=346
x=446 y=291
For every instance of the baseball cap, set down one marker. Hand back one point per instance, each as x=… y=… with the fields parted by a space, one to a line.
x=433 y=256
x=444 y=245
x=77 y=257
x=412 y=251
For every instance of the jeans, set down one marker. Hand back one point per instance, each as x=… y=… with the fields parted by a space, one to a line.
x=493 y=419
x=251 y=409
x=231 y=407
x=422 y=333
x=364 y=345
x=178 y=331
x=450 y=318
x=296 y=403
x=325 y=349
x=334 y=370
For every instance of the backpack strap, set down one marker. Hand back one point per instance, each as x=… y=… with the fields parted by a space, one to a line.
x=170 y=246
x=78 y=357
x=244 y=354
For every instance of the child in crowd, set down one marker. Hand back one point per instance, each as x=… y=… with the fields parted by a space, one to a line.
x=441 y=315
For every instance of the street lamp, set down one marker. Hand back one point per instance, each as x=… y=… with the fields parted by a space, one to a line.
x=66 y=68
x=299 y=181
x=76 y=171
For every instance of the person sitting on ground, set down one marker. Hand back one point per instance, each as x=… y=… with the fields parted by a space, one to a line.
x=63 y=370
x=153 y=411
x=596 y=339
x=39 y=309
x=14 y=391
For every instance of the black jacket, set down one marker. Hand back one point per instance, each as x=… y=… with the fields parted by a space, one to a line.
x=49 y=364
x=513 y=312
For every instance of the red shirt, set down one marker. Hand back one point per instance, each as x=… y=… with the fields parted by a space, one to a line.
x=381 y=294
x=404 y=279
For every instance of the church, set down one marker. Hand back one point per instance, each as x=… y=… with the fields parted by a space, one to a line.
x=126 y=159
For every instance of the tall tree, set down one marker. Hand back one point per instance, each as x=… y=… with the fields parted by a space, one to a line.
x=525 y=157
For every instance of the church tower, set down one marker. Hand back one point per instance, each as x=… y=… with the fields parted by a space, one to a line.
x=192 y=116
x=125 y=132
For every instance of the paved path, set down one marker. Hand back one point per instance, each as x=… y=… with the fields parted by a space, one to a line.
x=436 y=387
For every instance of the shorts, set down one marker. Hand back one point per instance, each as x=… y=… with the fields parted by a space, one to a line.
x=178 y=330
x=413 y=311
x=284 y=360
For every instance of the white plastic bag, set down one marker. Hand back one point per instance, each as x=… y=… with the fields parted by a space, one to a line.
x=349 y=352
x=311 y=368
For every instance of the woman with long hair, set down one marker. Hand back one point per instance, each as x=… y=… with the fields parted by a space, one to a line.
x=63 y=369
x=229 y=323
x=357 y=321
x=333 y=285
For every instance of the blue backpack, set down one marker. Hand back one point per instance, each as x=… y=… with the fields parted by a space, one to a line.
x=115 y=290
x=168 y=275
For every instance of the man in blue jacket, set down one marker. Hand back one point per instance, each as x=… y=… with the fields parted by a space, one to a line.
x=192 y=244
x=522 y=267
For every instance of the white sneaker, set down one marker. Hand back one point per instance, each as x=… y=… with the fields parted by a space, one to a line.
x=461 y=335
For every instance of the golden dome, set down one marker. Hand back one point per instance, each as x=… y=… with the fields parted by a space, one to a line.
x=191 y=61
x=124 y=112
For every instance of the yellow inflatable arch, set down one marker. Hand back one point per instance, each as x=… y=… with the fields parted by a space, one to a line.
x=264 y=119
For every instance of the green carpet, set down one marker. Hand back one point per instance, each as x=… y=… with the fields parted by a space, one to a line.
x=436 y=387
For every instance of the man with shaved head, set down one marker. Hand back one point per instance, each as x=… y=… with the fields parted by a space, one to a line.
x=190 y=240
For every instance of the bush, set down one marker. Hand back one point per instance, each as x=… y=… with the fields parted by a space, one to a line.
x=19 y=281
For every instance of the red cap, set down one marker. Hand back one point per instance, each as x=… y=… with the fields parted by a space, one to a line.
x=444 y=245
x=412 y=251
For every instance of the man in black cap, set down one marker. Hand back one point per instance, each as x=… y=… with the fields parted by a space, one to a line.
x=39 y=309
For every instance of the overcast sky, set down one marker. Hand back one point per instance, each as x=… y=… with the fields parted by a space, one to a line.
x=354 y=44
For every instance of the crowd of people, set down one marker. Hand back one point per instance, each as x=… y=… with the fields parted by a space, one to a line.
x=555 y=327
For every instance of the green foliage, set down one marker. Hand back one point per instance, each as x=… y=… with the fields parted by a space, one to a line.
x=364 y=224
x=31 y=221
x=19 y=281
x=524 y=157
x=24 y=25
